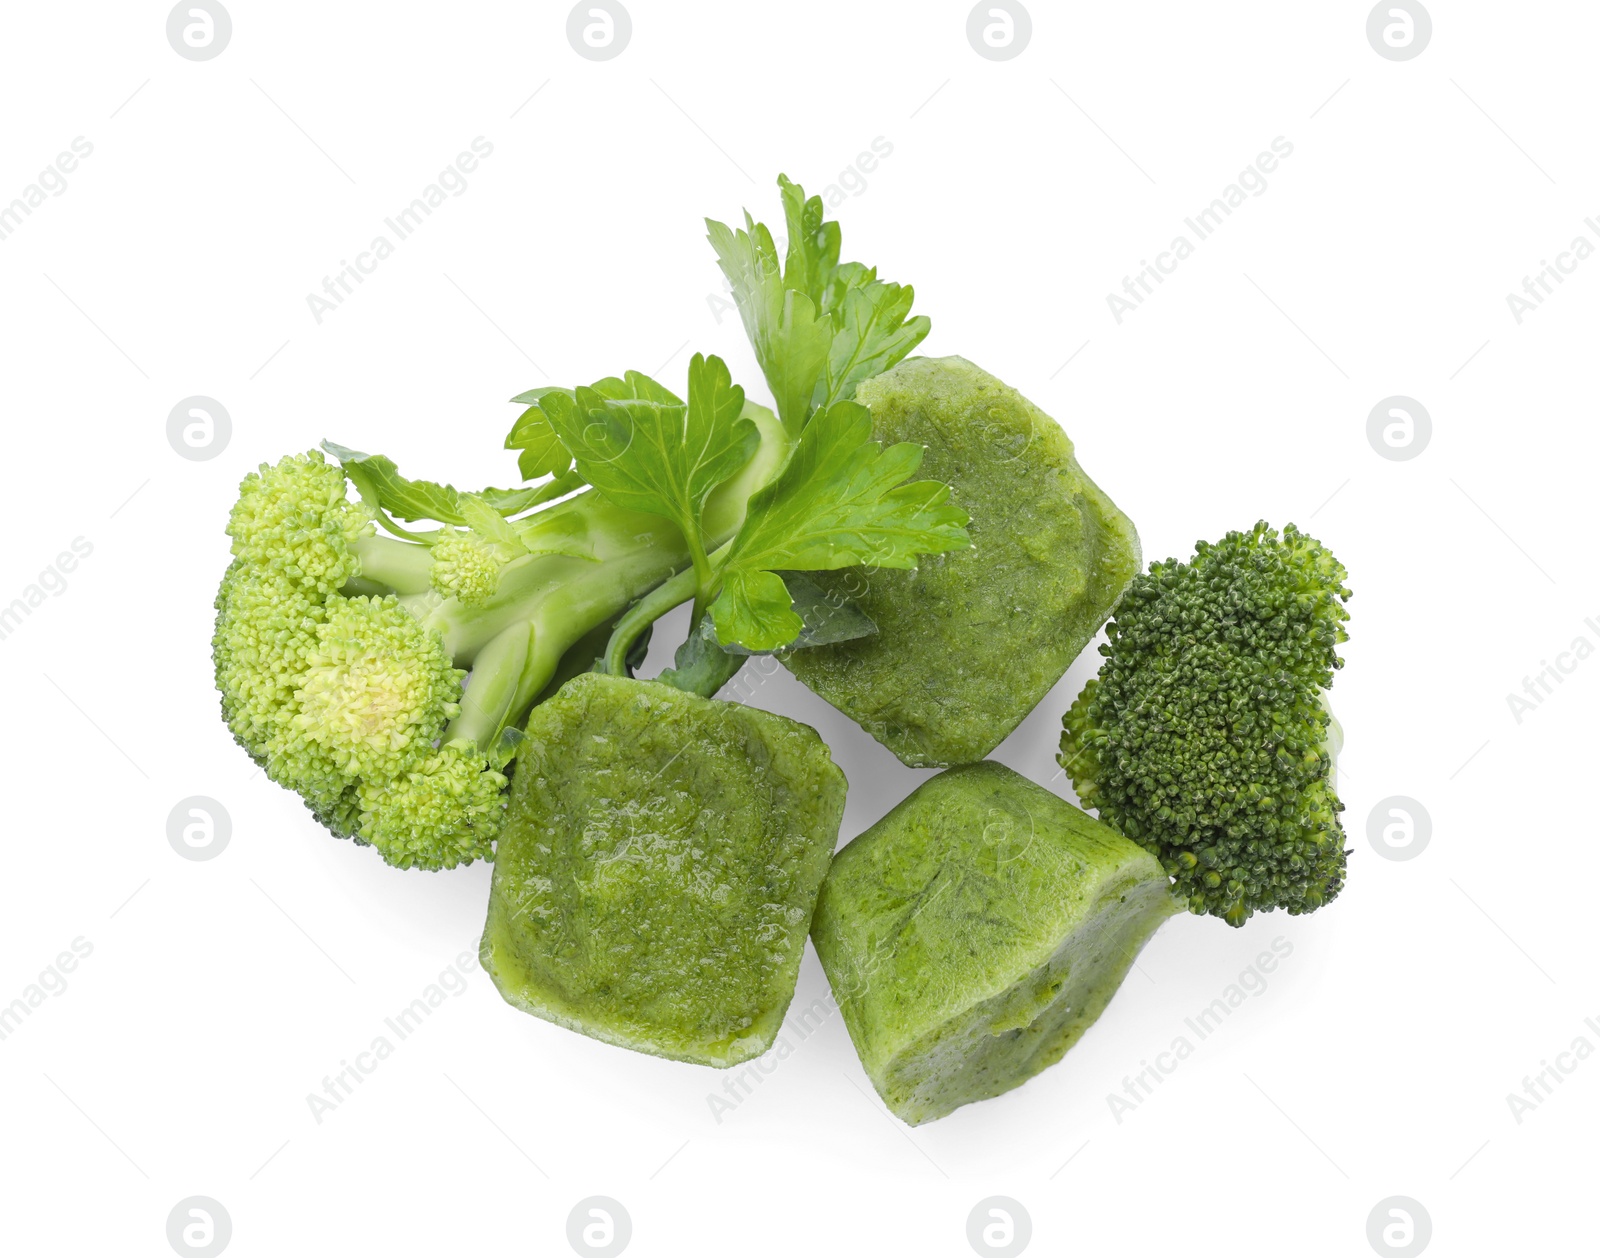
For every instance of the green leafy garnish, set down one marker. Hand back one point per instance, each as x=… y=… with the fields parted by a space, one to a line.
x=819 y=327
x=703 y=665
x=841 y=501
x=510 y=502
x=872 y=332
x=827 y=618
x=542 y=453
x=646 y=450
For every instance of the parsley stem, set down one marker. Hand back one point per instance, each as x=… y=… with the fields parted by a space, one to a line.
x=704 y=578
x=649 y=609
x=671 y=593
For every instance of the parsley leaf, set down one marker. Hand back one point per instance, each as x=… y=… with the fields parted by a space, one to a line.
x=703 y=665
x=840 y=501
x=791 y=343
x=646 y=450
x=542 y=453
x=872 y=334
x=818 y=327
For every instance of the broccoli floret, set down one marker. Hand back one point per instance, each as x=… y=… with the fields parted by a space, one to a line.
x=1206 y=738
x=444 y=810
x=376 y=685
x=465 y=567
x=340 y=698
x=343 y=656
x=292 y=530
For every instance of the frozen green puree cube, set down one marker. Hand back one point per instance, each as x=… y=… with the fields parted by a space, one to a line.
x=976 y=932
x=658 y=867
x=970 y=642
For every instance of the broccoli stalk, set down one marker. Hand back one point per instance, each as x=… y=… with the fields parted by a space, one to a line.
x=1207 y=738
x=341 y=653
x=602 y=559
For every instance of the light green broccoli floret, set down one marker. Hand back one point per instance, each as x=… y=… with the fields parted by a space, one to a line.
x=292 y=529
x=446 y=809
x=377 y=687
x=465 y=567
x=342 y=656
x=342 y=699
x=295 y=521
x=1206 y=738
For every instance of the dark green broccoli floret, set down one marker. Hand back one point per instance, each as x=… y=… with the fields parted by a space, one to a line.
x=1206 y=737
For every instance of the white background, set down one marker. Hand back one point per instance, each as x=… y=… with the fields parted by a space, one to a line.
x=1017 y=196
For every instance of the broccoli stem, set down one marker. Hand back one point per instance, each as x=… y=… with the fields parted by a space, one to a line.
x=690 y=583
x=491 y=694
x=546 y=602
x=649 y=609
x=514 y=645
x=400 y=567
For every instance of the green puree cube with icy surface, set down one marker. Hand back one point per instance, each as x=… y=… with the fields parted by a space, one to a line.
x=976 y=932
x=658 y=868
x=969 y=642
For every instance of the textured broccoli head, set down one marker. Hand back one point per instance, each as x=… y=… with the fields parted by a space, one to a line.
x=465 y=567
x=376 y=686
x=445 y=809
x=294 y=520
x=292 y=528
x=342 y=699
x=1205 y=737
